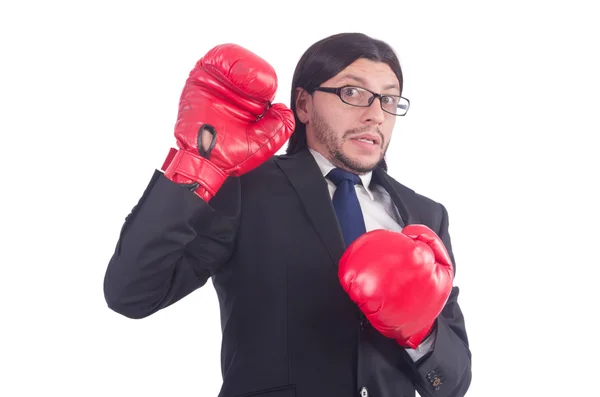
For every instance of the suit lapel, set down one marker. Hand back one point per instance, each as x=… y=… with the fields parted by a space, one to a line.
x=306 y=178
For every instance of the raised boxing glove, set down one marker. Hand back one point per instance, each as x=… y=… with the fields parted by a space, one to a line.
x=226 y=103
x=400 y=281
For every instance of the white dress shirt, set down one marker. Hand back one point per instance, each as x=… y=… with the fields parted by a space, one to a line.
x=379 y=212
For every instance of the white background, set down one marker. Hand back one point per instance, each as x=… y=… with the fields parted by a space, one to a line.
x=504 y=113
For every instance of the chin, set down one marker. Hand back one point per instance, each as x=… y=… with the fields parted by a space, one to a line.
x=358 y=163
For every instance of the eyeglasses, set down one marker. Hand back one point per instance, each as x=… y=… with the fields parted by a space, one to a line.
x=361 y=97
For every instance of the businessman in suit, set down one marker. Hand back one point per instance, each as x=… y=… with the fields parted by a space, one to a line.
x=333 y=278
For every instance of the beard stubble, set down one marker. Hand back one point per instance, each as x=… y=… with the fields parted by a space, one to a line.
x=325 y=135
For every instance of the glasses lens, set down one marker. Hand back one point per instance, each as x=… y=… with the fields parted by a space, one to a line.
x=395 y=104
x=358 y=96
x=355 y=96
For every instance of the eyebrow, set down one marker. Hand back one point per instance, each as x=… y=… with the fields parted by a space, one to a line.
x=363 y=82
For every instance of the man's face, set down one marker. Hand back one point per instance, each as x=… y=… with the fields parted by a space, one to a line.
x=353 y=138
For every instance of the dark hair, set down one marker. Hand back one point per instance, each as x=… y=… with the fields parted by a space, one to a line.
x=328 y=57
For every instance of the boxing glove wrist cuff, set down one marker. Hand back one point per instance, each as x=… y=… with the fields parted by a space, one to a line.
x=416 y=339
x=188 y=168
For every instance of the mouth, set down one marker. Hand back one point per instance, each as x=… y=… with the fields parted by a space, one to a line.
x=371 y=139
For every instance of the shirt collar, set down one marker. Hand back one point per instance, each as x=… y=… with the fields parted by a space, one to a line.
x=325 y=166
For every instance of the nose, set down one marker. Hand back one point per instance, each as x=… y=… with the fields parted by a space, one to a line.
x=374 y=113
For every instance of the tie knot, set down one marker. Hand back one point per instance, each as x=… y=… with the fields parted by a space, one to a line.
x=338 y=175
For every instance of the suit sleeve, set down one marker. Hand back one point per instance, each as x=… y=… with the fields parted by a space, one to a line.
x=169 y=245
x=446 y=370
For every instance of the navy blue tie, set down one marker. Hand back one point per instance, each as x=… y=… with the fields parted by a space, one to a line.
x=346 y=205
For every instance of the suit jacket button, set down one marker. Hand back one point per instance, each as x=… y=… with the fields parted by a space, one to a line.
x=364 y=392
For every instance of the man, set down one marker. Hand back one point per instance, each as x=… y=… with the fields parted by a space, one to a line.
x=333 y=278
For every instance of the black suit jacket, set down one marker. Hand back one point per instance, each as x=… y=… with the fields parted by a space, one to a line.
x=271 y=243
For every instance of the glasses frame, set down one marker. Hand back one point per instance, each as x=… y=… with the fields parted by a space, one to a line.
x=338 y=91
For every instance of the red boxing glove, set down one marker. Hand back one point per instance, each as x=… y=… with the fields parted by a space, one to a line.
x=226 y=103
x=400 y=281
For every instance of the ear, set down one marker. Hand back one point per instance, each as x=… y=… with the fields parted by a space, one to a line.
x=303 y=105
